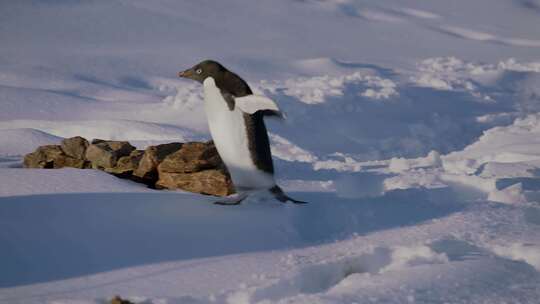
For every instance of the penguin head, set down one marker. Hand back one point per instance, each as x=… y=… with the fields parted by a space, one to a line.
x=203 y=70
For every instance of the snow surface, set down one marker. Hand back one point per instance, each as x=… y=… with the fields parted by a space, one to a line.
x=413 y=129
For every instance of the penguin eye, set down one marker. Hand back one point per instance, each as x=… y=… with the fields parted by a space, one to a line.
x=198 y=71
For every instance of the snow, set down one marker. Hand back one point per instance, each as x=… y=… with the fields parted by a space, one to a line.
x=524 y=252
x=22 y=141
x=16 y=182
x=110 y=129
x=412 y=129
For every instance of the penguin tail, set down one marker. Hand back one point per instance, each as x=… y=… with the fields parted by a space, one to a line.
x=282 y=197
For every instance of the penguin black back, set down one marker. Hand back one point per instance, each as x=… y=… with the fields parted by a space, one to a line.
x=231 y=86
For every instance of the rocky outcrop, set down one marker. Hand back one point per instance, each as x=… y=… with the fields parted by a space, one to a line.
x=119 y=300
x=153 y=156
x=126 y=165
x=75 y=147
x=105 y=153
x=52 y=157
x=192 y=157
x=193 y=166
x=211 y=182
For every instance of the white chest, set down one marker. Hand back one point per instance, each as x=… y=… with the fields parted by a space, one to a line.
x=229 y=133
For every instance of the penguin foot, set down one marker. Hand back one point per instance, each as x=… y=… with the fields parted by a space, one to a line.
x=292 y=200
x=232 y=200
x=282 y=197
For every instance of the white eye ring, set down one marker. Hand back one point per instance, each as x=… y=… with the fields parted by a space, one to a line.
x=198 y=71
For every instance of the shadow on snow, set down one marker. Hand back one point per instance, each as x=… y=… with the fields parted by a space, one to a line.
x=53 y=237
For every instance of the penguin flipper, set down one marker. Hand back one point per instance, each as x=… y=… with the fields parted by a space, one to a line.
x=254 y=103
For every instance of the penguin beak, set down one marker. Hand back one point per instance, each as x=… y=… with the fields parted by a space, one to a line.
x=185 y=74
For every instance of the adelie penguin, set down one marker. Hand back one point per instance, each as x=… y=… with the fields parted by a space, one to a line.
x=235 y=117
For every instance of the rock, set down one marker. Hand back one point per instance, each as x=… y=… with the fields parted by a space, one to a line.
x=192 y=157
x=105 y=153
x=193 y=166
x=196 y=167
x=43 y=157
x=72 y=163
x=52 y=157
x=211 y=182
x=153 y=156
x=127 y=164
x=119 y=300
x=75 y=147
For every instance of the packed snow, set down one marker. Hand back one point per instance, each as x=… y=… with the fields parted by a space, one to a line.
x=412 y=128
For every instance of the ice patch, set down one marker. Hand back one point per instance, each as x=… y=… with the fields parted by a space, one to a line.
x=339 y=162
x=442 y=73
x=452 y=68
x=188 y=96
x=284 y=149
x=467 y=33
x=509 y=195
x=529 y=253
x=518 y=142
x=497 y=119
x=239 y=297
x=361 y=184
x=380 y=88
x=374 y=15
x=328 y=277
x=419 y=13
x=512 y=64
x=399 y=164
x=481 y=36
x=414 y=179
x=299 y=185
x=403 y=257
x=317 y=89
x=453 y=74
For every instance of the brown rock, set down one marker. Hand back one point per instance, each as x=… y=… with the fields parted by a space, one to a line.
x=194 y=166
x=192 y=157
x=43 y=157
x=119 y=300
x=153 y=156
x=127 y=164
x=72 y=163
x=105 y=154
x=74 y=147
x=211 y=182
x=52 y=157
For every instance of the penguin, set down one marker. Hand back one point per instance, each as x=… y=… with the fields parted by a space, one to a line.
x=236 y=122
